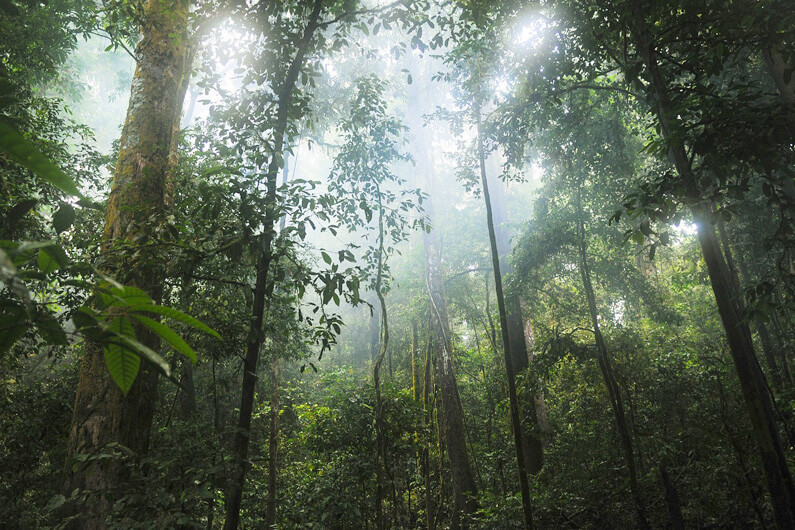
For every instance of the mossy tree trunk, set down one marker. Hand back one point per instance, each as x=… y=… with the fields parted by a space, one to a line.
x=139 y=197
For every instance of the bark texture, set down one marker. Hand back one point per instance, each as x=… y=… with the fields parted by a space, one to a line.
x=102 y=414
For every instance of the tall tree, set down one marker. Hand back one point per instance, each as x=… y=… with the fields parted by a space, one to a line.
x=284 y=88
x=363 y=176
x=738 y=333
x=606 y=368
x=510 y=365
x=531 y=439
x=103 y=414
x=452 y=423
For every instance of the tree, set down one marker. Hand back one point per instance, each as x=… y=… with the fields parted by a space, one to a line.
x=103 y=413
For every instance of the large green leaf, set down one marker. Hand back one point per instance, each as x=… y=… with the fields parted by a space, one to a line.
x=168 y=335
x=13 y=325
x=123 y=364
x=147 y=353
x=50 y=329
x=124 y=296
x=176 y=315
x=63 y=218
x=22 y=151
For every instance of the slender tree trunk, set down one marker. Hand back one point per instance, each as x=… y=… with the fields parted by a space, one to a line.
x=516 y=423
x=672 y=500
x=415 y=387
x=531 y=440
x=102 y=414
x=273 y=443
x=426 y=464
x=384 y=344
x=263 y=287
x=463 y=482
x=613 y=391
x=738 y=334
x=375 y=330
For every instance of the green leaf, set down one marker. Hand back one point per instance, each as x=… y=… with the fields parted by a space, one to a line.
x=176 y=315
x=122 y=363
x=14 y=325
x=168 y=335
x=52 y=258
x=49 y=329
x=18 y=211
x=124 y=296
x=62 y=219
x=326 y=257
x=147 y=353
x=46 y=263
x=22 y=151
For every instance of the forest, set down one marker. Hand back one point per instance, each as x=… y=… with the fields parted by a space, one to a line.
x=410 y=264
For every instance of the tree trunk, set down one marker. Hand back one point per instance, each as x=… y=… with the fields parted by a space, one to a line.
x=531 y=440
x=672 y=500
x=463 y=482
x=613 y=391
x=415 y=387
x=273 y=443
x=102 y=414
x=425 y=462
x=384 y=344
x=738 y=334
x=516 y=423
x=768 y=349
x=782 y=76
x=545 y=430
x=263 y=288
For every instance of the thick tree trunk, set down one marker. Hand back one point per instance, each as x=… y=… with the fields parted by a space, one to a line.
x=782 y=76
x=426 y=403
x=613 y=391
x=102 y=414
x=263 y=287
x=738 y=334
x=463 y=482
x=516 y=423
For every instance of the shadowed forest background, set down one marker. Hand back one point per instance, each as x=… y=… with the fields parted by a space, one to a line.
x=342 y=264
